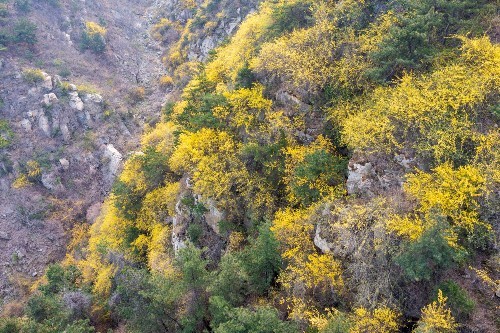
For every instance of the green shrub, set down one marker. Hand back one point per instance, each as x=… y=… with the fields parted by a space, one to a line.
x=24 y=31
x=460 y=303
x=245 y=78
x=41 y=308
x=148 y=302
x=194 y=232
x=288 y=17
x=429 y=255
x=95 y=43
x=423 y=29
x=263 y=319
x=339 y=323
x=127 y=200
x=262 y=260
x=6 y=134
x=93 y=38
x=64 y=72
x=10 y=325
x=230 y=282
x=319 y=165
x=60 y=278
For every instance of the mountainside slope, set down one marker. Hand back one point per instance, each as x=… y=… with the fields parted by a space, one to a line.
x=69 y=114
x=332 y=167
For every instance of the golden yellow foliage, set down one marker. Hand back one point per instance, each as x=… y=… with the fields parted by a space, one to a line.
x=108 y=233
x=382 y=319
x=324 y=53
x=166 y=81
x=160 y=258
x=236 y=241
x=447 y=193
x=132 y=174
x=103 y=281
x=432 y=113
x=322 y=269
x=437 y=318
x=453 y=193
x=246 y=107
x=487 y=157
x=161 y=138
x=21 y=181
x=33 y=169
x=305 y=266
x=293 y=230
x=157 y=206
x=493 y=284
x=94 y=29
x=305 y=56
x=211 y=158
x=78 y=243
x=242 y=48
x=406 y=226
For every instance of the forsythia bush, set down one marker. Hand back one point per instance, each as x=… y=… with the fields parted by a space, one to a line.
x=437 y=318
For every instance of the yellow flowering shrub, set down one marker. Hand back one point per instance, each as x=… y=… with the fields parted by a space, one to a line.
x=382 y=319
x=294 y=231
x=157 y=205
x=161 y=138
x=242 y=48
x=93 y=29
x=432 y=113
x=437 y=318
x=211 y=158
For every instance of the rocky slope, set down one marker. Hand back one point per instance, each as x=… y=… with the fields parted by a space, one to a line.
x=72 y=129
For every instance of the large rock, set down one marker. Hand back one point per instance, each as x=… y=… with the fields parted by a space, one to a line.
x=213 y=216
x=208 y=44
x=320 y=242
x=43 y=123
x=4 y=235
x=292 y=102
x=75 y=101
x=179 y=224
x=93 y=212
x=115 y=161
x=51 y=181
x=65 y=132
x=47 y=82
x=26 y=125
x=64 y=163
x=229 y=28
x=374 y=174
x=360 y=179
x=92 y=98
x=49 y=99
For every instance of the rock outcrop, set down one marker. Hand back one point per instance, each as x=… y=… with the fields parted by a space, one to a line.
x=371 y=175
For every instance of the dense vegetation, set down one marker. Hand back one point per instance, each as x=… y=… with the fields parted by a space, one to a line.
x=381 y=78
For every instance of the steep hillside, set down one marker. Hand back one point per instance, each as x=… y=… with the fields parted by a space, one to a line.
x=67 y=117
x=332 y=166
x=72 y=108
